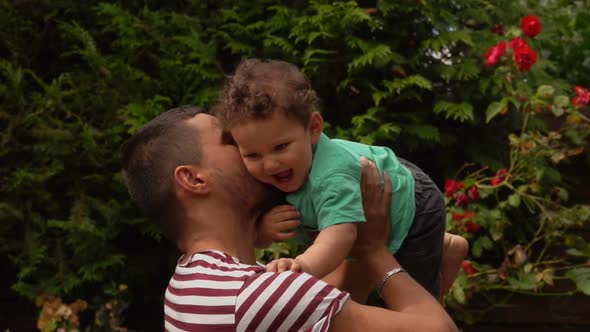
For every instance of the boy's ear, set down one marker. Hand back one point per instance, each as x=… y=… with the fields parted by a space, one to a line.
x=316 y=125
x=192 y=179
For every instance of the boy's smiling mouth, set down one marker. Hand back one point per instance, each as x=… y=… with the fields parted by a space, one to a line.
x=284 y=176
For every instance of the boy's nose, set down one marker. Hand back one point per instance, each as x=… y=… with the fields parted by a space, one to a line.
x=271 y=166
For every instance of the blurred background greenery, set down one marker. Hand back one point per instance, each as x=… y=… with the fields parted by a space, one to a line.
x=78 y=77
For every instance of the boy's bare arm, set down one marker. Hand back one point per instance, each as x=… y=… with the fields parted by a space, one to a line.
x=328 y=251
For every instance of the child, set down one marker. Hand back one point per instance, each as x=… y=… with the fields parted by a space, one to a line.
x=270 y=111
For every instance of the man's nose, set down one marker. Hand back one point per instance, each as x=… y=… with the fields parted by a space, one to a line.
x=271 y=165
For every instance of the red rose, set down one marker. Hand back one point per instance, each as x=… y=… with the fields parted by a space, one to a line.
x=468 y=268
x=371 y=11
x=517 y=43
x=500 y=176
x=531 y=25
x=583 y=97
x=498 y=29
x=580 y=90
x=473 y=193
x=579 y=101
x=462 y=199
x=524 y=58
x=472 y=227
x=451 y=187
x=468 y=215
x=495 y=53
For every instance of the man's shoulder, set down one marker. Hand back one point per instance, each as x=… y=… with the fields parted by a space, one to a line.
x=202 y=292
x=212 y=290
x=286 y=301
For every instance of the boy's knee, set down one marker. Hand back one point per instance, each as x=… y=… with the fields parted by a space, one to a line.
x=458 y=243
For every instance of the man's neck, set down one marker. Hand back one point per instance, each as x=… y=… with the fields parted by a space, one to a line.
x=223 y=231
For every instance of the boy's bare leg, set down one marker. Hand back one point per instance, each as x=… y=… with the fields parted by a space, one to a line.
x=455 y=249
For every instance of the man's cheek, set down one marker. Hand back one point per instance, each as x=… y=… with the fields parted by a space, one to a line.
x=253 y=169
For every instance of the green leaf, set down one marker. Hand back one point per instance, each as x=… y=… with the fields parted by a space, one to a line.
x=581 y=21
x=581 y=276
x=481 y=244
x=494 y=109
x=562 y=101
x=580 y=253
x=557 y=111
x=398 y=85
x=562 y=194
x=523 y=281
x=496 y=231
x=459 y=294
x=545 y=91
x=373 y=55
x=424 y=132
x=458 y=111
x=514 y=200
x=511 y=100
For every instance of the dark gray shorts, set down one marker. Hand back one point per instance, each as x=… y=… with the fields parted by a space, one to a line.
x=421 y=251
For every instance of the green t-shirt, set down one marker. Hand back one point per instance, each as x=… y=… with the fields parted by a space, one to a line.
x=332 y=193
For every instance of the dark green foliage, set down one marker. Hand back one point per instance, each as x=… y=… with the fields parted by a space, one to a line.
x=78 y=77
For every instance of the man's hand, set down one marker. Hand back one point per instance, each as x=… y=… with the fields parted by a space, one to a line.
x=278 y=224
x=374 y=233
x=287 y=264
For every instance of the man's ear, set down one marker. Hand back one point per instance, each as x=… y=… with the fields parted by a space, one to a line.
x=315 y=127
x=191 y=178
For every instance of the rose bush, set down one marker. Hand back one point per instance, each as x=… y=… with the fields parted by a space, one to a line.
x=77 y=80
x=485 y=206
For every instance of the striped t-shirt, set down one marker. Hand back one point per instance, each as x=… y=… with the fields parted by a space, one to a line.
x=215 y=292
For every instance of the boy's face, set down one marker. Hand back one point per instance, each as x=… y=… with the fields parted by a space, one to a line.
x=278 y=150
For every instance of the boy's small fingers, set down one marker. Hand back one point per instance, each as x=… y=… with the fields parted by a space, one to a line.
x=282 y=236
x=271 y=267
x=283 y=265
x=287 y=215
x=283 y=208
x=296 y=267
x=288 y=225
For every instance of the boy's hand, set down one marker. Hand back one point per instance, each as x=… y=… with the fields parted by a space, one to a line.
x=278 y=224
x=286 y=264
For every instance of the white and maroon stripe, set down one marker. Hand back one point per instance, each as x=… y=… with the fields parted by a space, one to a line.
x=214 y=292
x=202 y=293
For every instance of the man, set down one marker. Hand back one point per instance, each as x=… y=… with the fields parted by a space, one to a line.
x=179 y=170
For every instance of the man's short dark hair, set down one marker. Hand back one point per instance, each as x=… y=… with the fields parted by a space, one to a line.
x=150 y=158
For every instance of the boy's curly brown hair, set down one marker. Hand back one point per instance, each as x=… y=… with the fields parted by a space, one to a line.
x=258 y=88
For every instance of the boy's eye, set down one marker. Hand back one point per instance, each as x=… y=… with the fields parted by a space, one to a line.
x=281 y=146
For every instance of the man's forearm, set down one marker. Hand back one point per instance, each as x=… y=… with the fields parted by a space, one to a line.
x=401 y=292
x=411 y=308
